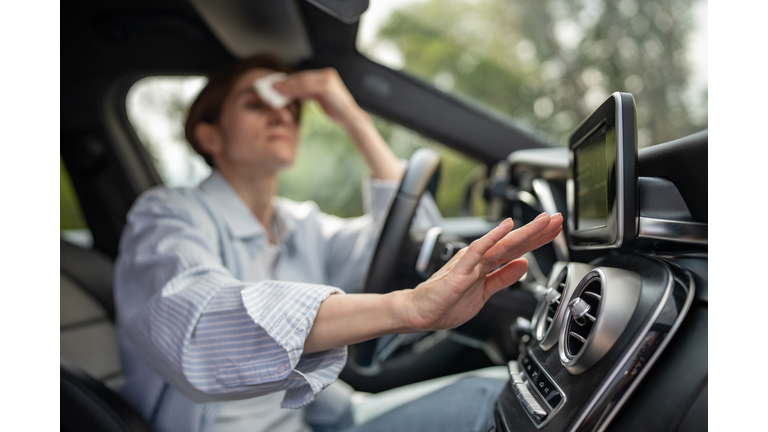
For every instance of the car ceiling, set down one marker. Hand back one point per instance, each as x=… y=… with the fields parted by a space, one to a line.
x=107 y=46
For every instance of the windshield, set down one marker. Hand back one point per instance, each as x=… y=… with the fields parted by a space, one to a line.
x=547 y=64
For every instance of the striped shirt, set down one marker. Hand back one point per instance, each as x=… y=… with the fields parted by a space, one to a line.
x=201 y=319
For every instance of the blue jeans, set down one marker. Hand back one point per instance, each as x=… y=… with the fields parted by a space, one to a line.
x=464 y=406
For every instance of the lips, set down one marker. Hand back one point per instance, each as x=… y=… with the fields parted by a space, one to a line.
x=278 y=137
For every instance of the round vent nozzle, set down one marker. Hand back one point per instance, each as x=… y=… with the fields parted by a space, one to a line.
x=548 y=313
x=596 y=316
x=584 y=310
x=549 y=305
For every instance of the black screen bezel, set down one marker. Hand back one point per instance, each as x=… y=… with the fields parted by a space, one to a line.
x=617 y=113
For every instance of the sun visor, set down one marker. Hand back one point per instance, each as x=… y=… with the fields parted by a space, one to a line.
x=248 y=28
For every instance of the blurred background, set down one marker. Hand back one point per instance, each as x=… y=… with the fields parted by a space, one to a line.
x=542 y=65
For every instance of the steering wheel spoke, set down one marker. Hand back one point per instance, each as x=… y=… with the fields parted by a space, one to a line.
x=420 y=173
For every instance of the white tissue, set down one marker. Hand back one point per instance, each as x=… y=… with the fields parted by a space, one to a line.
x=267 y=93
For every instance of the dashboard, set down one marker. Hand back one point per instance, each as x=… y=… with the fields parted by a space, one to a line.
x=618 y=339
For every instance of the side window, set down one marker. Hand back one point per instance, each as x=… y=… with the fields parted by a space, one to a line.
x=157 y=107
x=72 y=223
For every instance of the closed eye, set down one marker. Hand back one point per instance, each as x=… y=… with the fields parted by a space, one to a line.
x=257 y=105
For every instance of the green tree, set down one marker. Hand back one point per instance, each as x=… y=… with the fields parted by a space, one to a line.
x=549 y=63
x=329 y=170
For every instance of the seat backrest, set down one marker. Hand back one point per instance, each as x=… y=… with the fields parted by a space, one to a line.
x=87 y=331
x=88 y=405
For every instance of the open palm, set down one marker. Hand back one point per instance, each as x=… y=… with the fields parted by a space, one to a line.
x=458 y=291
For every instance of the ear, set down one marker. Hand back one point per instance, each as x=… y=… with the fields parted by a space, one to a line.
x=209 y=138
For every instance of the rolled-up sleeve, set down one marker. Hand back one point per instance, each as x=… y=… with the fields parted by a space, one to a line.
x=210 y=335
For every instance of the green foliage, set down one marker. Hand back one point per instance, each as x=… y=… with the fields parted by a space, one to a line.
x=329 y=170
x=70 y=215
x=456 y=169
x=549 y=63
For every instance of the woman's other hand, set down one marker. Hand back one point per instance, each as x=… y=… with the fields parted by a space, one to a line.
x=326 y=88
x=459 y=289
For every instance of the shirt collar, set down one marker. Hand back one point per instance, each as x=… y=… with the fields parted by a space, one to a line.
x=236 y=214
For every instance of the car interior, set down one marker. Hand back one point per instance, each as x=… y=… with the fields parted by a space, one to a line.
x=607 y=331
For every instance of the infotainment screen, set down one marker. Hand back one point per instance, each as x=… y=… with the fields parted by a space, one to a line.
x=601 y=183
x=592 y=182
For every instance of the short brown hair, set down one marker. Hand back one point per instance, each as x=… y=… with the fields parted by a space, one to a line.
x=207 y=106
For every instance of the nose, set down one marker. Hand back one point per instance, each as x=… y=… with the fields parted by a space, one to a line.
x=281 y=116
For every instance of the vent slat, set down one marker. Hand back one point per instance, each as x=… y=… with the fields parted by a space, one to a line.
x=580 y=330
x=577 y=336
x=549 y=319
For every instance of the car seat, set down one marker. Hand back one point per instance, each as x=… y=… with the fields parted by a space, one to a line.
x=90 y=371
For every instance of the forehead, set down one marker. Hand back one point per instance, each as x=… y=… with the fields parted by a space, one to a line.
x=246 y=79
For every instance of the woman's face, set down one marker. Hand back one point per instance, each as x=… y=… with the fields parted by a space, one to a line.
x=251 y=133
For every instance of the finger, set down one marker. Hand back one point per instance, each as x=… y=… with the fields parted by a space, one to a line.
x=300 y=85
x=520 y=237
x=522 y=250
x=306 y=84
x=505 y=276
x=554 y=224
x=543 y=238
x=474 y=253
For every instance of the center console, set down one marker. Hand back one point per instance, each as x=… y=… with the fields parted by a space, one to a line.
x=611 y=320
x=600 y=326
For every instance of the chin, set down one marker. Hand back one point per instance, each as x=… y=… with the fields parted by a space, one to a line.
x=282 y=164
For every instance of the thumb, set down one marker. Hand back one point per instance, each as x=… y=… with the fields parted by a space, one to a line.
x=505 y=276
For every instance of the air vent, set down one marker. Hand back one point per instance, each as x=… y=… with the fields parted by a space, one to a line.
x=595 y=316
x=583 y=315
x=549 y=313
x=550 y=304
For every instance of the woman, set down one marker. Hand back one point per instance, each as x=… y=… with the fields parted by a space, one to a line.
x=227 y=292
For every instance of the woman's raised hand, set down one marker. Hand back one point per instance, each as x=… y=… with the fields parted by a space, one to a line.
x=461 y=287
x=326 y=87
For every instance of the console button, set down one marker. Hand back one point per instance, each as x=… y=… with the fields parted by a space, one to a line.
x=534 y=408
x=529 y=402
x=534 y=373
x=530 y=368
x=544 y=387
x=514 y=372
x=525 y=360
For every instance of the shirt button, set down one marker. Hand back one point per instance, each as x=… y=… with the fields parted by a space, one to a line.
x=281 y=368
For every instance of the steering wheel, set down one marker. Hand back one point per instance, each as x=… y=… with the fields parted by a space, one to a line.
x=422 y=167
